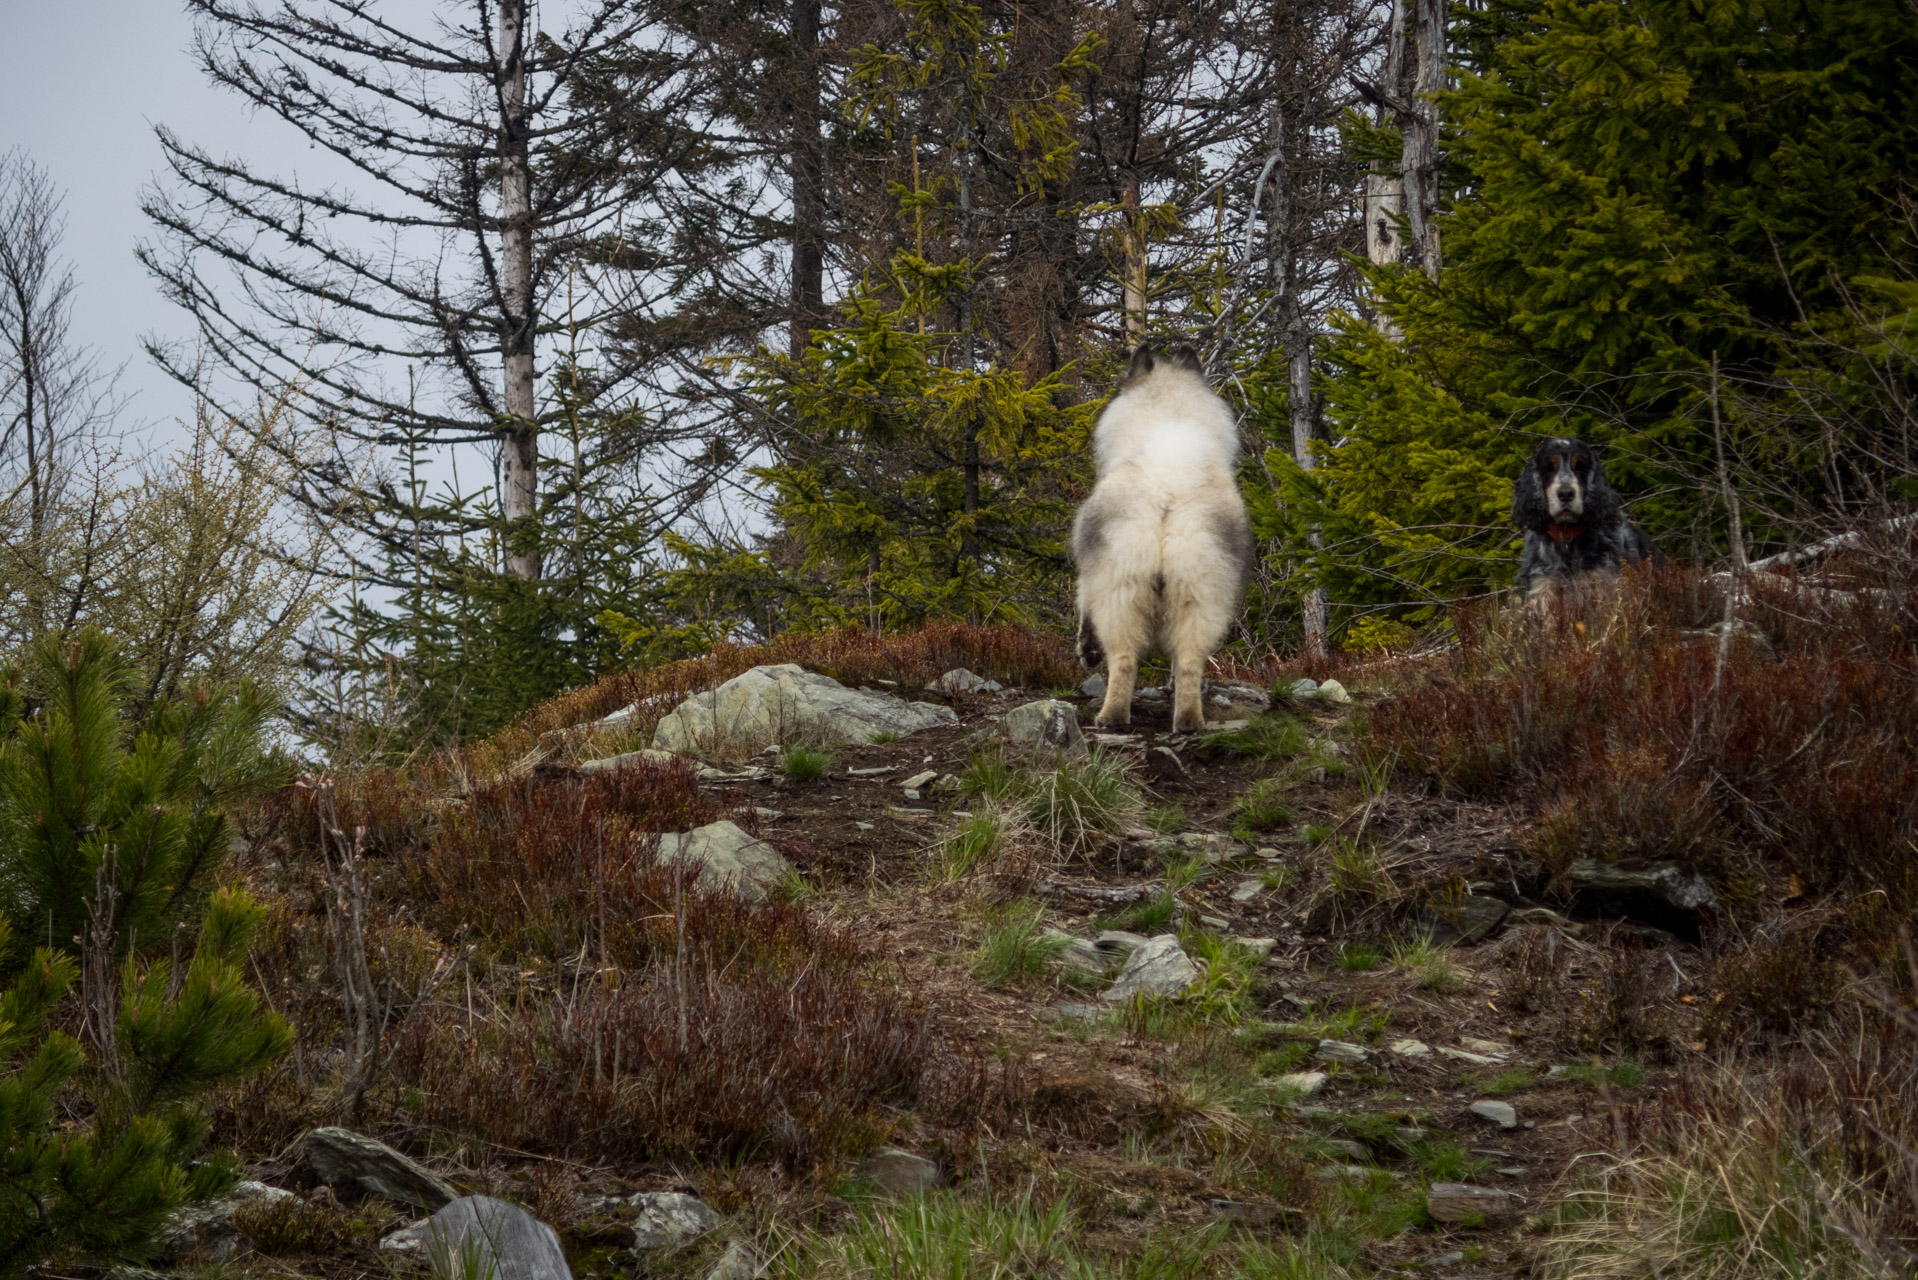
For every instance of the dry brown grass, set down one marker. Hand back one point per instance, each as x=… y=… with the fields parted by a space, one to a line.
x=1805 y=1166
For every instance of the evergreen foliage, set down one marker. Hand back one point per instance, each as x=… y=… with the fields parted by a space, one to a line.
x=110 y=847
x=1642 y=186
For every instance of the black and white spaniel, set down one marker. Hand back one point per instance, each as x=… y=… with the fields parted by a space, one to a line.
x=1573 y=519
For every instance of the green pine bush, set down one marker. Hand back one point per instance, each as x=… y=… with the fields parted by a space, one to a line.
x=108 y=843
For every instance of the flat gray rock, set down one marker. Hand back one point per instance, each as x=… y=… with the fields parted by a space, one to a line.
x=504 y=1241
x=1657 y=889
x=899 y=1173
x=1463 y=1202
x=343 y=1158
x=657 y=759
x=666 y=1218
x=1094 y=687
x=1303 y=688
x=1502 y=1114
x=727 y=856
x=1341 y=1051
x=1159 y=968
x=773 y=705
x=1046 y=723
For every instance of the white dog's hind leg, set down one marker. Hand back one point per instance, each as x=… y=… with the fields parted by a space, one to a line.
x=1195 y=625
x=1122 y=618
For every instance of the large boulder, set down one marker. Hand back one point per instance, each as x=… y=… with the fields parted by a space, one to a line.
x=728 y=857
x=481 y=1236
x=343 y=1158
x=774 y=705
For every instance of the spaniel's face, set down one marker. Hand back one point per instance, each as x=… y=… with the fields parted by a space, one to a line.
x=1564 y=469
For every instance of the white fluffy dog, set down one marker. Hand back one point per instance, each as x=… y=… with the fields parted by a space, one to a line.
x=1163 y=545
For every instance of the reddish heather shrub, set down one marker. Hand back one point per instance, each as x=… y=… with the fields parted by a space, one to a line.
x=1791 y=752
x=736 y=1061
x=539 y=867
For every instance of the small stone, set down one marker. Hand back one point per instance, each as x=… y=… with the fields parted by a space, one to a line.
x=1248 y=890
x=1149 y=693
x=1211 y=846
x=1467 y=1056
x=343 y=1158
x=919 y=780
x=1343 y=1173
x=1341 y=1051
x=1349 y=1149
x=1491 y=1048
x=1159 y=968
x=864 y=826
x=1465 y=921
x=1094 y=686
x=1410 y=1048
x=1257 y=946
x=740 y=1262
x=1302 y=1084
x=1215 y=923
x=1078 y=1011
x=1267 y=852
x=1512 y=1171
x=1333 y=691
x=1451 y=1259
x=871 y=770
x=1557 y=1073
x=947 y=785
x=1119 y=942
x=960 y=680
x=1047 y=724
x=899 y=1173
x=903 y=814
x=1410 y=1134
x=1501 y=1114
x=667 y=1218
x=1462 y=1202
x=1303 y=688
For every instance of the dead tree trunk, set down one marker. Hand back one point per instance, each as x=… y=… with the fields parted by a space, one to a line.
x=808 y=179
x=519 y=434
x=1136 y=264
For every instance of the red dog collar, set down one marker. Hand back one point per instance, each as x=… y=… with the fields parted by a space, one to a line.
x=1564 y=533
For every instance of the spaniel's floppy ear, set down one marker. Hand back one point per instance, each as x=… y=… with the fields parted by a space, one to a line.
x=1184 y=357
x=1528 y=498
x=1139 y=369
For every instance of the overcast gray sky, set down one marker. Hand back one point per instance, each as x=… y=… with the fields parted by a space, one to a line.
x=88 y=80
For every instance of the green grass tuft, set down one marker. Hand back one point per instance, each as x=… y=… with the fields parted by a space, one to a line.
x=1016 y=950
x=1430 y=965
x=1360 y=956
x=805 y=764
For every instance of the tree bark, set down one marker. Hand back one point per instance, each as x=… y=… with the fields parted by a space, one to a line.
x=1136 y=264
x=1298 y=353
x=1420 y=131
x=519 y=435
x=808 y=176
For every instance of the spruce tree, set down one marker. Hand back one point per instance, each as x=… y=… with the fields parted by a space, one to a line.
x=1641 y=190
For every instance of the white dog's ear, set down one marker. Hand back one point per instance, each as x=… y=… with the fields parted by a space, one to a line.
x=1184 y=357
x=1139 y=369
